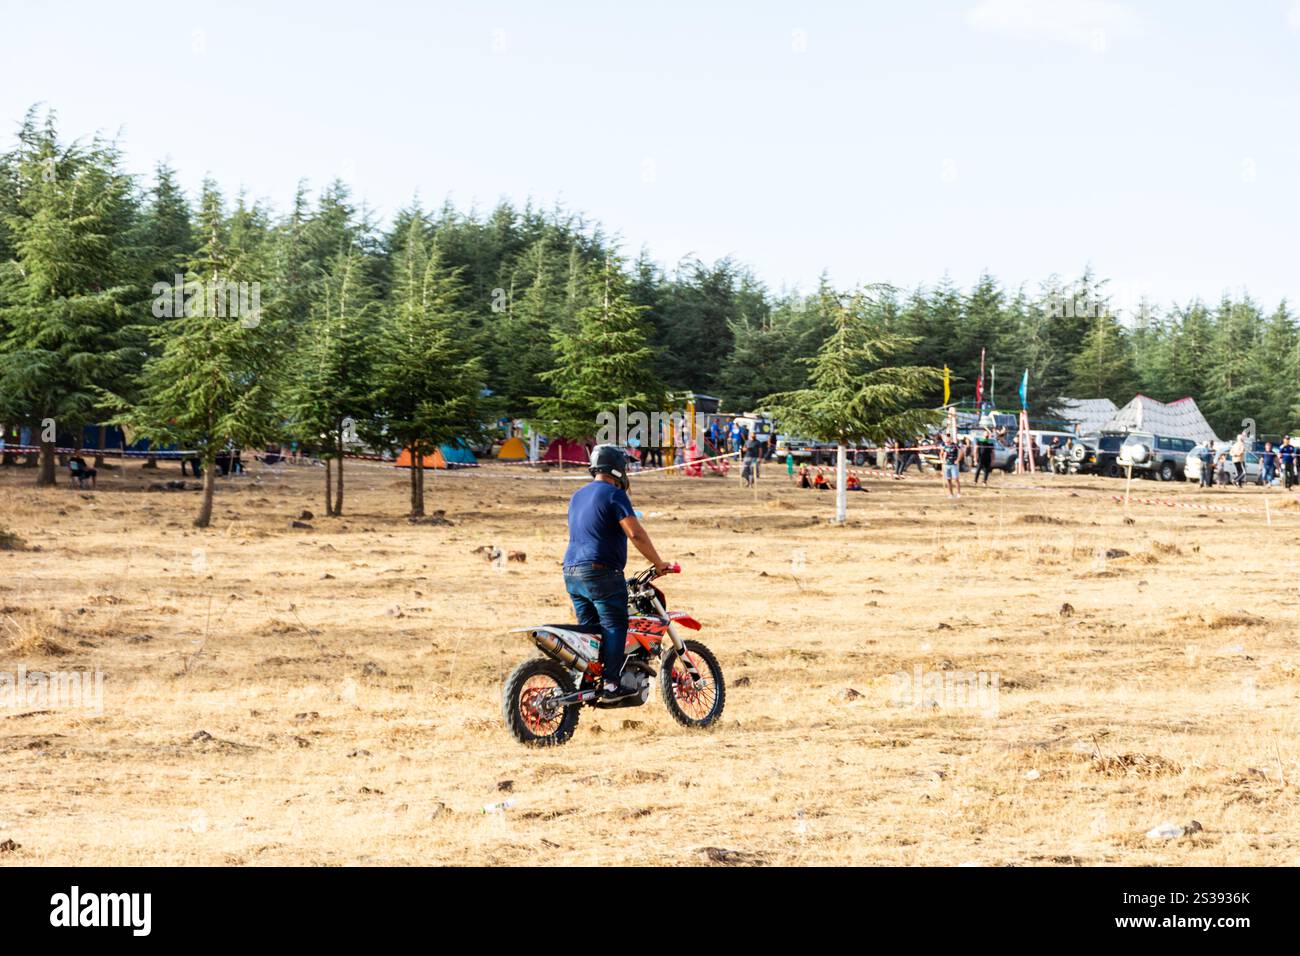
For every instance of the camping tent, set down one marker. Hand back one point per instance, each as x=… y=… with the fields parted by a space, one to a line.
x=563 y=450
x=1088 y=414
x=404 y=460
x=457 y=455
x=512 y=449
x=1179 y=419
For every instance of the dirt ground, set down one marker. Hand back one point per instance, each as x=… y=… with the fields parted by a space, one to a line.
x=330 y=694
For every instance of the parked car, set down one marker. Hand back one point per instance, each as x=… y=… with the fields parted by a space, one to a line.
x=1156 y=456
x=805 y=451
x=1071 y=456
x=1091 y=454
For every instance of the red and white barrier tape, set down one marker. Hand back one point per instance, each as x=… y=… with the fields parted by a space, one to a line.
x=107 y=452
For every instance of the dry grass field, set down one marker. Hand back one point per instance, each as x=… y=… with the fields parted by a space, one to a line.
x=329 y=695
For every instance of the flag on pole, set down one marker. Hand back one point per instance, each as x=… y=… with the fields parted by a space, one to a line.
x=979 y=385
x=1024 y=390
x=946 y=391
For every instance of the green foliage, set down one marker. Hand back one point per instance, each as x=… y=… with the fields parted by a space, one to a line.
x=211 y=379
x=604 y=363
x=66 y=293
x=427 y=378
x=853 y=395
x=331 y=374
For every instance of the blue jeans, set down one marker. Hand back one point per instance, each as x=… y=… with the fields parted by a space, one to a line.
x=599 y=595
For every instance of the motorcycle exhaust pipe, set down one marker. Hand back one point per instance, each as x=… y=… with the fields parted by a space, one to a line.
x=553 y=646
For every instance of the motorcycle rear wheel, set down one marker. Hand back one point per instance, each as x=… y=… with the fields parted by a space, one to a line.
x=700 y=705
x=524 y=703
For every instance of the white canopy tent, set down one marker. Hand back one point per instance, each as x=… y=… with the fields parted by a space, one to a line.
x=1179 y=419
x=1088 y=414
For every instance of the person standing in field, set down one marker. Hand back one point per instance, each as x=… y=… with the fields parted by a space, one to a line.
x=1237 y=453
x=1207 y=464
x=984 y=456
x=1268 y=463
x=1287 y=453
x=754 y=456
x=950 y=454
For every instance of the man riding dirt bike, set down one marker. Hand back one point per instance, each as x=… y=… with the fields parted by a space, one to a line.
x=542 y=696
x=601 y=522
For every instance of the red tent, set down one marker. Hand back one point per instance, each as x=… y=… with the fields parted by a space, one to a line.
x=566 y=451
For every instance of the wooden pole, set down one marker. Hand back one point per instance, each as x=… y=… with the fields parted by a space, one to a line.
x=841 y=481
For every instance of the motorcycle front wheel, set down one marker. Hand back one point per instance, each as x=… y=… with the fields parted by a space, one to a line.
x=693 y=703
x=527 y=708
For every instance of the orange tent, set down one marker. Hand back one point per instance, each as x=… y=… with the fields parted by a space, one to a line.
x=430 y=461
x=512 y=449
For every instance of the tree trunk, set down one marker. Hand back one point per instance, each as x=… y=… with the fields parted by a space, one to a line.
x=417 y=475
x=329 y=488
x=45 y=478
x=338 y=495
x=841 y=483
x=99 y=452
x=209 y=486
x=10 y=435
x=420 y=487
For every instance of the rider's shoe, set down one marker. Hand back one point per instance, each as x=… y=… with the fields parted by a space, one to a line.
x=611 y=690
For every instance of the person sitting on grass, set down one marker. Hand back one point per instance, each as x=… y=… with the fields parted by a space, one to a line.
x=851 y=483
x=77 y=465
x=820 y=482
x=803 y=479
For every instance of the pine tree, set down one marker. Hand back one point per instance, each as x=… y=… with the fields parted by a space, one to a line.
x=535 y=309
x=65 y=300
x=852 y=394
x=1236 y=379
x=164 y=237
x=603 y=364
x=331 y=378
x=429 y=381
x=1103 y=365
x=211 y=381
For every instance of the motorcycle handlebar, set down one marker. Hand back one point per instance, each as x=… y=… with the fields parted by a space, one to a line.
x=650 y=573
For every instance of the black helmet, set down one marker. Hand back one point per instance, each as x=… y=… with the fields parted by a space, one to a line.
x=609 y=460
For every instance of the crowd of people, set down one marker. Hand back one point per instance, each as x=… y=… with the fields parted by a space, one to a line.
x=1227 y=466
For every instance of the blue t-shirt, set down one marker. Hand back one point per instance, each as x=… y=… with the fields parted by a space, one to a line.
x=595 y=511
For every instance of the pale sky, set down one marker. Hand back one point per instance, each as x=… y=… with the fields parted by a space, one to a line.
x=1158 y=141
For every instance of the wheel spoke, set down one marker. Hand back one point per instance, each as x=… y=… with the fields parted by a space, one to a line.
x=697 y=700
x=539 y=716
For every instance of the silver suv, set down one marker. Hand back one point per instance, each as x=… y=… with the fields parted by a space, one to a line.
x=1157 y=456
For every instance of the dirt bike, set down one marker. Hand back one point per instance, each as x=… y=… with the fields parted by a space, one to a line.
x=543 y=696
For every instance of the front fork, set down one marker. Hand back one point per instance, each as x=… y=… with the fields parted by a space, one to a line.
x=680 y=645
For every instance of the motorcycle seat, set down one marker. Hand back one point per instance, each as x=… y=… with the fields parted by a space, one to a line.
x=579 y=628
